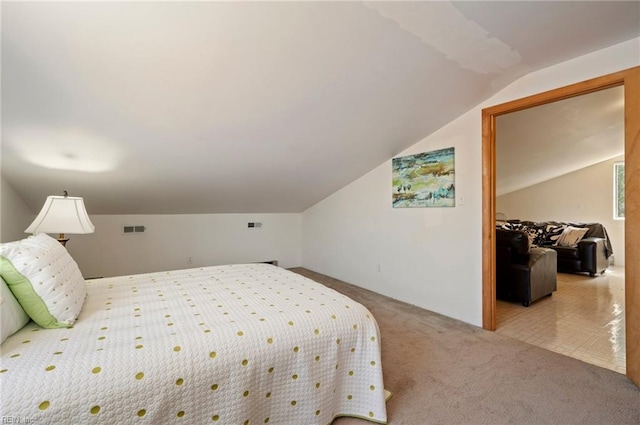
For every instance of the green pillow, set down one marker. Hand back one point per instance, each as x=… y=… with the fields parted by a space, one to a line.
x=12 y=315
x=44 y=279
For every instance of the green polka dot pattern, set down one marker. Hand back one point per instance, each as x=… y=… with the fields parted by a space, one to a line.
x=238 y=344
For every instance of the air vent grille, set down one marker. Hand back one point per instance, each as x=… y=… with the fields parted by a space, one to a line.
x=130 y=230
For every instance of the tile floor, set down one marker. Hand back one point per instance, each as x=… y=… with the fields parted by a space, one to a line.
x=583 y=319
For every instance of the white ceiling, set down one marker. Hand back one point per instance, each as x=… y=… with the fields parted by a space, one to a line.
x=202 y=107
x=548 y=141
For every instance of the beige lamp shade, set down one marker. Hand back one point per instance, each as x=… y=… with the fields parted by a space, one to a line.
x=62 y=214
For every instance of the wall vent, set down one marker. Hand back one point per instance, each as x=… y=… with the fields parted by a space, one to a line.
x=130 y=230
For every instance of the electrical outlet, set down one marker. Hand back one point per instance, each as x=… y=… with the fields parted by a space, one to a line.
x=189 y=260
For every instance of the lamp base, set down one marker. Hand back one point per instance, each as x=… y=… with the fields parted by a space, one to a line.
x=62 y=239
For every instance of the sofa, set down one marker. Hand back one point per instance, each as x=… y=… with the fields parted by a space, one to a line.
x=524 y=273
x=581 y=247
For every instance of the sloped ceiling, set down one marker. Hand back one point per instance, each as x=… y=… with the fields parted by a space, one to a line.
x=548 y=141
x=202 y=107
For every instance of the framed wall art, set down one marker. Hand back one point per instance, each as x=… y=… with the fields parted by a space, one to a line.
x=424 y=180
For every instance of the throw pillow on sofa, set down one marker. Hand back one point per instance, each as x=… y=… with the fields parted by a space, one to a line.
x=533 y=231
x=552 y=233
x=534 y=234
x=571 y=236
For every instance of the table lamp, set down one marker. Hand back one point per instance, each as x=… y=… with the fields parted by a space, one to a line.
x=62 y=214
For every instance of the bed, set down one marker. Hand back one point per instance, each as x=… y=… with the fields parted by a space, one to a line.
x=235 y=344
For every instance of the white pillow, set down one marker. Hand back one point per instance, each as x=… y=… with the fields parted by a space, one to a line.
x=44 y=279
x=12 y=315
x=571 y=236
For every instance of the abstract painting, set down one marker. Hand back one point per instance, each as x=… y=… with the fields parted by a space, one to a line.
x=424 y=180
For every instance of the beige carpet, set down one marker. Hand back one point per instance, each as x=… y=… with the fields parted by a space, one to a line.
x=443 y=371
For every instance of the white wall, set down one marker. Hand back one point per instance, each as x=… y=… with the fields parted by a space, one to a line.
x=209 y=239
x=430 y=257
x=15 y=215
x=585 y=195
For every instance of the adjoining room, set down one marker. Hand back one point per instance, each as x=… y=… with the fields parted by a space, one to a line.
x=562 y=164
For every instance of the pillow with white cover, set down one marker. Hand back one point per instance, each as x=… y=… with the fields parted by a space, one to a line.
x=12 y=316
x=571 y=236
x=44 y=279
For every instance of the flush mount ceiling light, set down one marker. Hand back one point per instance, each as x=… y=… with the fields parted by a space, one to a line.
x=73 y=149
x=62 y=214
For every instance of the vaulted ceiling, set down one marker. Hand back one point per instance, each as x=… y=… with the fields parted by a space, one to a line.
x=538 y=144
x=211 y=107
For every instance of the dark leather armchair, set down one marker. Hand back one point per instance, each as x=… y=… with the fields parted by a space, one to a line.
x=523 y=274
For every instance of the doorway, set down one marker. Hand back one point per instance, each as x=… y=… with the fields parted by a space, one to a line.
x=630 y=80
x=555 y=162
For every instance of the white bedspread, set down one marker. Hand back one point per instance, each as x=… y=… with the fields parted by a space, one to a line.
x=240 y=344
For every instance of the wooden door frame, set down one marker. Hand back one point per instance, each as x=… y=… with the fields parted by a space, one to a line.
x=630 y=79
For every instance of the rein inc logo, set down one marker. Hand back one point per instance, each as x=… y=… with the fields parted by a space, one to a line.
x=17 y=420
